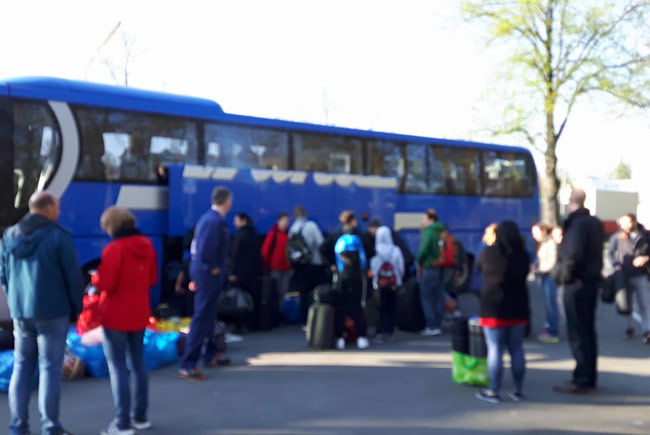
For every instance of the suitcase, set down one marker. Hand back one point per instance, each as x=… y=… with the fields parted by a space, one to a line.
x=409 y=314
x=325 y=293
x=320 y=326
x=269 y=309
x=460 y=335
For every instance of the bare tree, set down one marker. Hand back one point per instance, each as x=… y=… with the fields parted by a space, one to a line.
x=119 y=70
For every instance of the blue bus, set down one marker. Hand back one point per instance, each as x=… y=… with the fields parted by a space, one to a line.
x=159 y=155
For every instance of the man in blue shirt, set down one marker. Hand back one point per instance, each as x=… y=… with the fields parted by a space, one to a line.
x=41 y=276
x=209 y=251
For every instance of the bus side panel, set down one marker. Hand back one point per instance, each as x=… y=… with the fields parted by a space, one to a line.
x=83 y=204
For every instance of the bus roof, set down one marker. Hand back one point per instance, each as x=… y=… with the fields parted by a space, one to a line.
x=126 y=98
x=117 y=97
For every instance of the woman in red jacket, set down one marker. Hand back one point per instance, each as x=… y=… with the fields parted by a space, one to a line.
x=126 y=273
x=274 y=253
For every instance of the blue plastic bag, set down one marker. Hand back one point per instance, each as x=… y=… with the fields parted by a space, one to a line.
x=7 y=367
x=92 y=356
x=160 y=349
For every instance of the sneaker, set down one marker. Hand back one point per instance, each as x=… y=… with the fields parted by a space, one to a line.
x=515 y=396
x=340 y=343
x=428 y=332
x=191 y=375
x=487 y=396
x=114 y=429
x=629 y=333
x=646 y=338
x=362 y=343
x=547 y=338
x=140 y=424
x=217 y=362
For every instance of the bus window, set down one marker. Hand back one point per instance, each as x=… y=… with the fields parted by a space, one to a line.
x=387 y=159
x=245 y=147
x=454 y=171
x=37 y=150
x=416 y=168
x=132 y=147
x=508 y=174
x=322 y=153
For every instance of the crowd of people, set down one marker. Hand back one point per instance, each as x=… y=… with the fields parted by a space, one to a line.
x=39 y=272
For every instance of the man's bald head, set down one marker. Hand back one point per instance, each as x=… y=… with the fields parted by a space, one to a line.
x=44 y=203
x=577 y=199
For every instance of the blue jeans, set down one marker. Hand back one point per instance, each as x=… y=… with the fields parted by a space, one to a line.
x=552 y=311
x=498 y=339
x=39 y=341
x=118 y=346
x=433 y=288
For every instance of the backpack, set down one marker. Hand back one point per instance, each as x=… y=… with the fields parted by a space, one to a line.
x=386 y=275
x=451 y=252
x=298 y=252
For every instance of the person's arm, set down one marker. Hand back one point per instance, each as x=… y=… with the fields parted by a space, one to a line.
x=206 y=243
x=611 y=251
x=71 y=273
x=153 y=270
x=425 y=246
x=4 y=277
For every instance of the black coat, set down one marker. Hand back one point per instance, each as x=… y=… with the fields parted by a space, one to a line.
x=504 y=294
x=245 y=256
x=580 y=255
x=620 y=255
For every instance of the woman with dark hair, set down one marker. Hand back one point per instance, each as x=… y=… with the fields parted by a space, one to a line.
x=504 y=307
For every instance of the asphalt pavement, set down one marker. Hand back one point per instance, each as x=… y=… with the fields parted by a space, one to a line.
x=276 y=385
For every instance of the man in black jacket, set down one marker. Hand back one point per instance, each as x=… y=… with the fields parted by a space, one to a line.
x=578 y=268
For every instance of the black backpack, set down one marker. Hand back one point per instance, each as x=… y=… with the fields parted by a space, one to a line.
x=298 y=252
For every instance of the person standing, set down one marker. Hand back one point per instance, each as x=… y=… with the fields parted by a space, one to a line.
x=351 y=264
x=208 y=252
x=41 y=277
x=546 y=259
x=274 y=253
x=311 y=273
x=578 y=269
x=369 y=238
x=128 y=269
x=387 y=274
x=245 y=263
x=629 y=252
x=503 y=307
x=433 y=278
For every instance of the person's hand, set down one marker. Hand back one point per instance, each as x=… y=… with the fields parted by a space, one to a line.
x=215 y=271
x=640 y=261
x=179 y=290
x=369 y=273
x=333 y=267
x=192 y=286
x=232 y=278
x=618 y=267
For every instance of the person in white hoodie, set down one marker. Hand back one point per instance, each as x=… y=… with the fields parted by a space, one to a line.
x=387 y=274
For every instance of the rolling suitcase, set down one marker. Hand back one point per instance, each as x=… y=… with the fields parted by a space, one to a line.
x=320 y=326
x=409 y=314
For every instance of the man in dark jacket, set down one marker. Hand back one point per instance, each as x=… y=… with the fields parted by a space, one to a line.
x=578 y=268
x=41 y=277
x=245 y=262
x=208 y=254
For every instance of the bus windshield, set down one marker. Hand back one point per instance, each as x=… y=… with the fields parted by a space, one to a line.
x=31 y=150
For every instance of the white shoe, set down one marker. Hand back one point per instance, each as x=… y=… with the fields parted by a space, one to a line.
x=113 y=429
x=140 y=424
x=340 y=344
x=362 y=343
x=431 y=332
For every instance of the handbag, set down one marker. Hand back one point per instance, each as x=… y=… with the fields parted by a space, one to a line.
x=235 y=303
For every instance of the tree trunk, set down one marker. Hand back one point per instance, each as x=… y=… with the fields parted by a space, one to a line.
x=550 y=185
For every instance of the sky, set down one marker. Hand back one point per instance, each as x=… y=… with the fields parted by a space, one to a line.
x=408 y=67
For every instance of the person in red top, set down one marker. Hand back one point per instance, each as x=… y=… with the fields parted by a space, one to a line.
x=127 y=271
x=274 y=253
x=504 y=309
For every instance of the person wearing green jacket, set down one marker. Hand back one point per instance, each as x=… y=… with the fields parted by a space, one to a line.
x=433 y=279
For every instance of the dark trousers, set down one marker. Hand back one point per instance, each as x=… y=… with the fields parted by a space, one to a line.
x=580 y=307
x=199 y=340
x=305 y=279
x=348 y=304
x=387 y=310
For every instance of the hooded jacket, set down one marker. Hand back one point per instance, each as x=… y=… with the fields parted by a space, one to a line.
x=387 y=252
x=274 y=250
x=127 y=271
x=39 y=270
